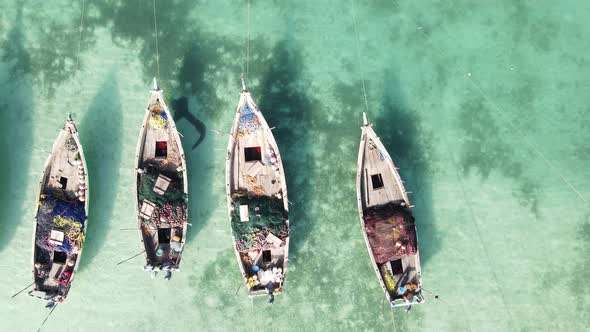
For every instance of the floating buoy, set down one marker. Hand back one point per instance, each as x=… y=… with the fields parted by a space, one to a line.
x=82 y=198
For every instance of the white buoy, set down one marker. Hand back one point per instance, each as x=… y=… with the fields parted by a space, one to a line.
x=82 y=198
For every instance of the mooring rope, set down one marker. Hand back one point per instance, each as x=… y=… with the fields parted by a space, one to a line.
x=358 y=54
x=248 y=42
x=246 y=57
x=81 y=31
x=157 y=47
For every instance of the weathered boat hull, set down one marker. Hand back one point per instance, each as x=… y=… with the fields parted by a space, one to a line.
x=160 y=168
x=58 y=243
x=382 y=199
x=261 y=179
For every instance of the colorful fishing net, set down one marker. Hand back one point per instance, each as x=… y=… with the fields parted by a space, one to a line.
x=267 y=215
x=171 y=213
x=158 y=120
x=249 y=121
x=60 y=215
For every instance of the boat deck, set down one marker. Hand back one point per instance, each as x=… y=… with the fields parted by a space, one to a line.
x=63 y=169
x=376 y=167
x=260 y=176
x=168 y=162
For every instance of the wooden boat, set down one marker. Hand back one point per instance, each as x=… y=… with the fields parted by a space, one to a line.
x=257 y=200
x=161 y=187
x=61 y=217
x=387 y=222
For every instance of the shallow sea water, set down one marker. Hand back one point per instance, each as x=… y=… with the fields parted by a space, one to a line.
x=482 y=105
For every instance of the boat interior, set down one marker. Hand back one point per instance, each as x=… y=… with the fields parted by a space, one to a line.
x=405 y=284
x=160 y=150
x=263 y=267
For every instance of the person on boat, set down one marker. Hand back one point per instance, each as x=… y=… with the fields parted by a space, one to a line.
x=270 y=288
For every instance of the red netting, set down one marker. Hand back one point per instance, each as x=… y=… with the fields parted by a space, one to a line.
x=391 y=232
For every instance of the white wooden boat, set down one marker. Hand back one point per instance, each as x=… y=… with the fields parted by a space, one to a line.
x=161 y=187
x=387 y=222
x=257 y=200
x=61 y=220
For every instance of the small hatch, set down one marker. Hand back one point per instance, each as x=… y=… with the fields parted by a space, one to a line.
x=164 y=235
x=377 y=181
x=60 y=257
x=253 y=153
x=161 y=149
x=396 y=267
x=266 y=256
x=63 y=181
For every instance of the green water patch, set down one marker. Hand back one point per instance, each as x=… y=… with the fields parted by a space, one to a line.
x=16 y=107
x=56 y=54
x=486 y=150
x=101 y=133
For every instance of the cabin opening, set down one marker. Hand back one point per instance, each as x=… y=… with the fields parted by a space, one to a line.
x=253 y=154
x=266 y=256
x=161 y=149
x=396 y=267
x=377 y=181
x=164 y=235
x=63 y=182
x=60 y=257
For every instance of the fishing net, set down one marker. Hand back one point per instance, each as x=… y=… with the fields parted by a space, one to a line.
x=249 y=121
x=174 y=192
x=158 y=116
x=171 y=213
x=391 y=232
x=158 y=120
x=267 y=215
x=171 y=207
x=60 y=215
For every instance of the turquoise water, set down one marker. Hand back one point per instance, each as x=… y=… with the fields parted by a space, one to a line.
x=483 y=106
